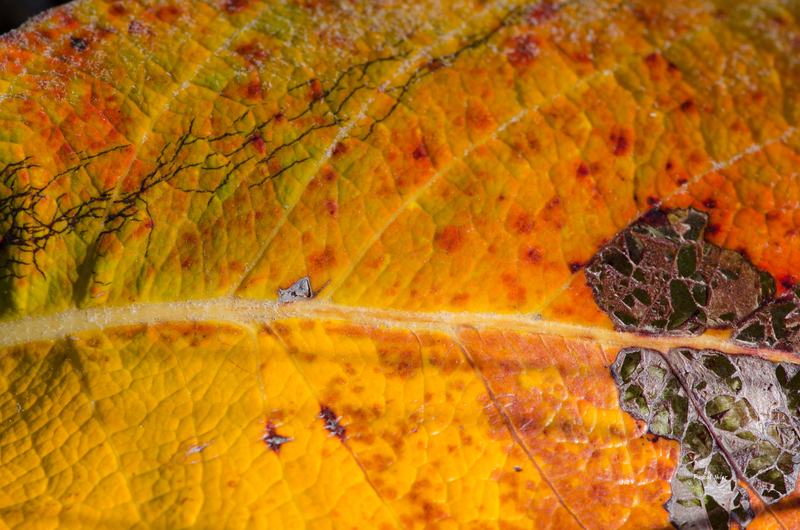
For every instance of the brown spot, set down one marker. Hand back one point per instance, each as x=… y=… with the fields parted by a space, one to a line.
x=187 y=264
x=575 y=266
x=710 y=203
x=687 y=105
x=682 y=181
x=333 y=208
x=526 y=50
x=117 y=9
x=448 y=239
x=651 y=58
x=712 y=229
x=420 y=153
x=233 y=6
x=652 y=201
x=671 y=67
x=583 y=169
x=533 y=256
x=501 y=198
x=524 y=224
x=339 y=149
x=258 y=143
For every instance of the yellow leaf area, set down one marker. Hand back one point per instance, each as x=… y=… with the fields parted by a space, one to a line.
x=448 y=168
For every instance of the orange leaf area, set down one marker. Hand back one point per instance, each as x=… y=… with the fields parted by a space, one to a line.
x=165 y=426
x=441 y=172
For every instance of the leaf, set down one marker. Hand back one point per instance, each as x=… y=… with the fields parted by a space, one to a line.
x=179 y=181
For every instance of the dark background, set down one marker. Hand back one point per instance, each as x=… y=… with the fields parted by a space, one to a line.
x=14 y=12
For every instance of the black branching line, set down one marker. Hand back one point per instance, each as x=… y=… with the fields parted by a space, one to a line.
x=25 y=231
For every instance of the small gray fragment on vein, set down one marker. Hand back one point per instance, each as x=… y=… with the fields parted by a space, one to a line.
x=299 y=290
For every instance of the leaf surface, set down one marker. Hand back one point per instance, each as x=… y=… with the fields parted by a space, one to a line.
x=442 y=174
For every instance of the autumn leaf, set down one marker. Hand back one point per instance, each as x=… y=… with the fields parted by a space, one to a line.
x=337 y=265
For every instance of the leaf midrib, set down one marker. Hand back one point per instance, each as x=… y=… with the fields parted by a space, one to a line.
x=243 y=311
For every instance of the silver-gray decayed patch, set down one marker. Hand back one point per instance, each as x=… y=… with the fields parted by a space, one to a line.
x=736 y=418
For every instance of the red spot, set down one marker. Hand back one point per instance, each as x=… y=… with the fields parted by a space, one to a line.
x=186 y=265
x=710 y=203
x=420 y=153
x=712 y=230
x=232 y=6
x=148 y=223
x=252 y=53
x=117 y=9
x=621 y=140
x=651 y=58
x=448 y=240
x=581 y=57
x=258 y=143
x=524 y=224
x=137 y=28
x=339 y=149
x=787 y=282
x=682 y=181
x=501 y=198
x=253 y=90
x=543 y=12
x=333 y=208
x=652 y=201
x=583 y=169
x=687 y=105
x=526 y=49
x=575 y=267
x=533 y=256
x=329 y=175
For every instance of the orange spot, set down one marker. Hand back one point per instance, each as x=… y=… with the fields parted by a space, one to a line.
x=448 y=240
x=321 y=261
x=169 y=13
x=524 y=224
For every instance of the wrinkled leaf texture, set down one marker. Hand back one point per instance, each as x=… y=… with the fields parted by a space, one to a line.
x=448 y=167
